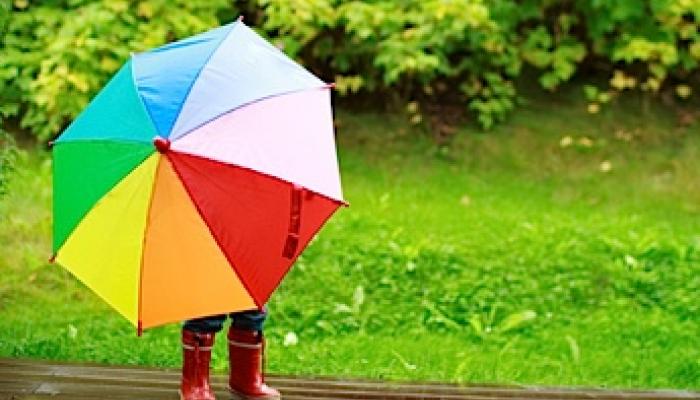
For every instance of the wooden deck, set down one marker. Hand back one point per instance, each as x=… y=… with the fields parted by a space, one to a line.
x=20 y=379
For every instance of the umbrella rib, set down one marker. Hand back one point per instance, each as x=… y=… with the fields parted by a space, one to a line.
x=139 y=327
x=97 y=140
x=189 y=89
x=138 y=94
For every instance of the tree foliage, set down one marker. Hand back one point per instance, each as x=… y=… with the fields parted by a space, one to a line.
x=58 y=53
x=55 y=54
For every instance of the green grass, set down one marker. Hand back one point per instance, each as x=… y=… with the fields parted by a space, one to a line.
x=503 y=257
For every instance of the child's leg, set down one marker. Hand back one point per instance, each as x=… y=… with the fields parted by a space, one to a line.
x=197 y=342
x=211 y=324
x=245 y=345
x=252 y=320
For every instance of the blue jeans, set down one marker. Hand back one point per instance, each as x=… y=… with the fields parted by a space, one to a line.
x=252 y=320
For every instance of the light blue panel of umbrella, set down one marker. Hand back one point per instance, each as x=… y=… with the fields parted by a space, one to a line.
x=243 y=69
x=164 y=93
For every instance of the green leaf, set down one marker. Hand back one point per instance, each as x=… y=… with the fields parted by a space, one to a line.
x=516 y=320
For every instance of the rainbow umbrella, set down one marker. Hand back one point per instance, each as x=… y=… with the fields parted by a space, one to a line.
x=195 y=178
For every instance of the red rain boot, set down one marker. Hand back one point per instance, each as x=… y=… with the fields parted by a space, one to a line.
x=245 y=352
x=195 y=367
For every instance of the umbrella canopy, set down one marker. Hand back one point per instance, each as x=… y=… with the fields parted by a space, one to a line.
x=194 y=179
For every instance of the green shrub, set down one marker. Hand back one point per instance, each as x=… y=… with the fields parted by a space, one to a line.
x=57 y=54
x=432 y=49
x=426 y=48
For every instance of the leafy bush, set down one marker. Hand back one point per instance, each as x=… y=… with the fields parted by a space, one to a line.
x=431 y=49
x=412 y=48
x=56 y=54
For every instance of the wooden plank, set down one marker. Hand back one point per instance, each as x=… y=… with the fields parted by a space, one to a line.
x=140 y=375
x=9 y=386
x=309 y=388
x=341 y=388
x=23 y=378
x=80 y=373
x=443 y=391
x=220 y=396
x=61 y=385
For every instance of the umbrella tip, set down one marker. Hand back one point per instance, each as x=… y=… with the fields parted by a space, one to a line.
x=161 y=144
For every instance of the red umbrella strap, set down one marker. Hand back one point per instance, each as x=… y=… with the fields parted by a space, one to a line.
x=292 y=242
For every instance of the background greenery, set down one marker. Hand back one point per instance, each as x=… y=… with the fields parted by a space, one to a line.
x=8 y=152
x=560 y=249
x=55 y=54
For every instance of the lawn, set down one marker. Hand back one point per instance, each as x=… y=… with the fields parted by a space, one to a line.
x=561 y=248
